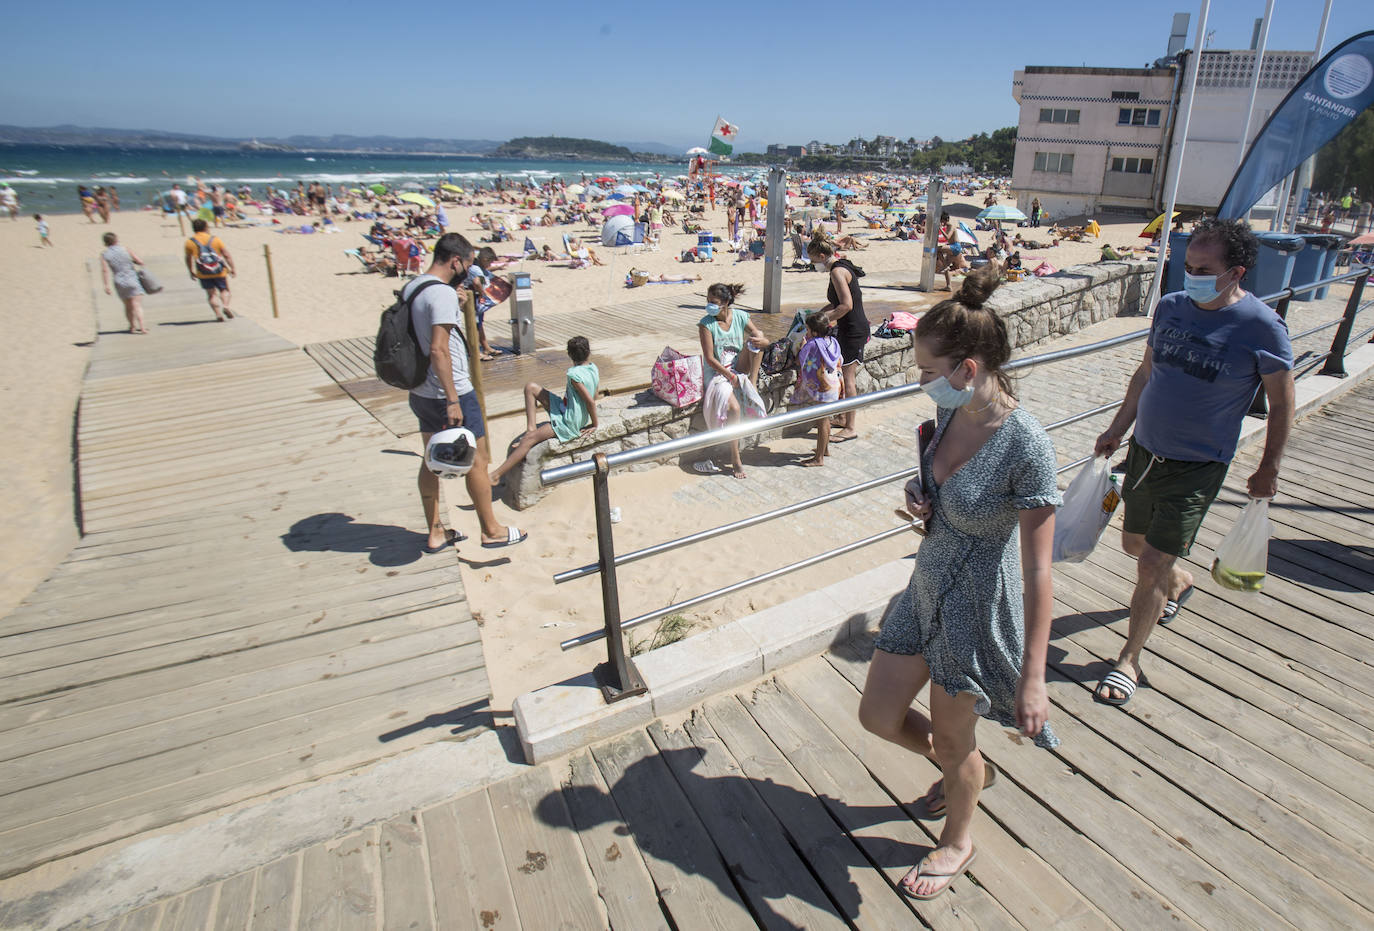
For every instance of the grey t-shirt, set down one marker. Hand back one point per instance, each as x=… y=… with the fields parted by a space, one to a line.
x=1205 y=369
x=439 y=305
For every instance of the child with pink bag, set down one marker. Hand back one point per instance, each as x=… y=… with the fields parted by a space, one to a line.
x=818 y=379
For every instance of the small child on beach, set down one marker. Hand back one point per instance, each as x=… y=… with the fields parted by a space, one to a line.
x=42 y=229
x=479 y=276
x=570 y=416
x=818 y=379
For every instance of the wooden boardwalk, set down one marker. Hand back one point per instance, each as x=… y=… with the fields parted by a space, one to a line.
x=1233 y=792
x=248 y=608
x=626 y=339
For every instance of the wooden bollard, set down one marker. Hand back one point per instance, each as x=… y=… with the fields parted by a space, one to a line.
x=271 y=281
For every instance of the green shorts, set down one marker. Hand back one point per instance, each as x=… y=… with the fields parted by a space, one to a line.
x=1166 y=499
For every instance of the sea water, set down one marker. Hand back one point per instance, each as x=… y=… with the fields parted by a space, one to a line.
x=46 y=177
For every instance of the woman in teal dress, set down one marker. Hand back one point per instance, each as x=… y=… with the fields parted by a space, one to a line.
x=570 y=416
x=975 y=618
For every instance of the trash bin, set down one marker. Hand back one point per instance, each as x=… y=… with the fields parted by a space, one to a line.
x=1173 y=268
x=1315 y=262
x=1274 y=269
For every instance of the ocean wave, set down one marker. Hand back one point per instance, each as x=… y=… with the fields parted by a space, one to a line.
x=32 y=180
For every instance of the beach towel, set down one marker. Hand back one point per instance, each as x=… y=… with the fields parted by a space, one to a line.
x=716 y=405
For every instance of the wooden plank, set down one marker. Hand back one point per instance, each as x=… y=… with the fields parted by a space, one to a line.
x=339 y=883
x=860 y=893
x=147 y=918
x=622 y=880
x=463 y=846
x=773 y=878
x=693 y=883
x=276 y=895
x=234 y=908
x=193 y=910
x=1127 y=899
x=547 y=868
x=405 y=880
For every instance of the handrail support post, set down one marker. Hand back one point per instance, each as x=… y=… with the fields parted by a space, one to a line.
x=617 y=677
x=1335 y=362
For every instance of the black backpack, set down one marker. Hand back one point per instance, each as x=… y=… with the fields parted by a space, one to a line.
x=208 y=262
x=397 y=358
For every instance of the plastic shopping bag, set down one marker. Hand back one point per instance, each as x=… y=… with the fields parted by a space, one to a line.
x=1243 y=557
x=677 y=378
x=1089 y=503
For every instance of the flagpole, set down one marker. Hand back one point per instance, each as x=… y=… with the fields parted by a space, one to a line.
x=1176 y=161
x=1309 y=167
x=1254 y=80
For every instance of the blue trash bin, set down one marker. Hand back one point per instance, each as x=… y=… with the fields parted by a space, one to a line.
x=1273 y=271
x=1173 y=268
x=1315 y=262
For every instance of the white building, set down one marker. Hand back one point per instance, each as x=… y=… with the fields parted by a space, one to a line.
x=1098 y=139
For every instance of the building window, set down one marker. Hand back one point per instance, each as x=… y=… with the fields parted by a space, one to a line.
x=1057 y=115
x=1137 y=116
x=1125 y=95
x=1134 y=166
x=1054 y=161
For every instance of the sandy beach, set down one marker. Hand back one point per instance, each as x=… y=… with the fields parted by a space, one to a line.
x=322 y=295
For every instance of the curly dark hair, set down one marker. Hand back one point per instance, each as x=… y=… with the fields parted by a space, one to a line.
x=1239 y=244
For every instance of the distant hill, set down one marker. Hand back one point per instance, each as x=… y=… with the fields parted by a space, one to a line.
x=560 y=146
x=153 y=138
x=417 y=144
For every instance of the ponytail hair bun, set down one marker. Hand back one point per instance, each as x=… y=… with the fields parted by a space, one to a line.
x=978 y=286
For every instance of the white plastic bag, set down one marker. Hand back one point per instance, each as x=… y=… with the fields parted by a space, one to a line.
x=1243 y=557
x=1089 y=503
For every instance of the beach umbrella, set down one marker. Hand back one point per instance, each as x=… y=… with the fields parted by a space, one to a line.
x=697 y=150
x=377 y=188
x=903 y=210
x=605 y=180
x=618 y=210
x=1153 y=226
x=843 y=192
x=413 y=186
x=355 y=190
x=802 y=212
x=451 y=187
x=1002 y=212
x=640 y=189
x=576 y=189
x=627 y=190
x=1365 y=240
x=420 y=199
x=965 y=235
x=673 y=195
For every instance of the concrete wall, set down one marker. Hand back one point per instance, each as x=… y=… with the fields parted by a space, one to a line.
x=1035 y=311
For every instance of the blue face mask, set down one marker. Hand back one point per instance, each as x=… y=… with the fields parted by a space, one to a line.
x=1201 y=288
x=946 y=395
x=712 y=309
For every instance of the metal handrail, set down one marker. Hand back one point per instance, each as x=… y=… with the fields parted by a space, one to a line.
x=618 y=677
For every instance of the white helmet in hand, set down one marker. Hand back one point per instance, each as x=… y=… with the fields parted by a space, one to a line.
x=451 y=453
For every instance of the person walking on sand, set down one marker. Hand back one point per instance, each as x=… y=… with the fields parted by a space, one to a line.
x=43 y=239
x=974 y=621
x=210 y=263
x=1211 y=347
x=845 y=309
x=9 y=201
x=119 y=263
x=1036 y=210
x=571 y=415
x=447 y=398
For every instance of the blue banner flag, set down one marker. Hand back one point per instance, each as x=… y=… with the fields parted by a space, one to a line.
x=1323 y=103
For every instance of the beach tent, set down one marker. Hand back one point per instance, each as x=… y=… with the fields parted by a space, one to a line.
x=617 y=224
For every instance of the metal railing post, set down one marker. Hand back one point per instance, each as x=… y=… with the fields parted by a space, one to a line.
x=1335 y=362
x=1259 y=407
x=617 y=676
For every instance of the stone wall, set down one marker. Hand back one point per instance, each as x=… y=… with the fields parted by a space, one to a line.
x=1035 y=312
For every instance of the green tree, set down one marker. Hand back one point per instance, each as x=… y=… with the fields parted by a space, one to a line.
x=1348 y=160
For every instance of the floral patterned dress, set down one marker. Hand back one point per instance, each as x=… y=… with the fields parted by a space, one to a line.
x=962 y=610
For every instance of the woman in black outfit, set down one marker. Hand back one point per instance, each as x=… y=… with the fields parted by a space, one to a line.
x=846 y=312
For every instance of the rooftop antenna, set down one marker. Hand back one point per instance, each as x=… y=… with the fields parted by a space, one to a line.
x=1207 y=42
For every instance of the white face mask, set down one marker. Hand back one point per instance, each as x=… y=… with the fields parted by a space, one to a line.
x=820 y=266
x=946 y=395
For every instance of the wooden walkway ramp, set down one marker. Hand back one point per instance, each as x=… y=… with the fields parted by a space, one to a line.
x=1234 y=792
x=626 y=339
x=248 y=608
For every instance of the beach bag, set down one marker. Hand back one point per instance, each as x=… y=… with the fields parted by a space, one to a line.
x=676 y=378
x=208 y=262
x=1243 y=557
x=149 y=283
x=778 y=357
x=1089 y=503
x=397 y=357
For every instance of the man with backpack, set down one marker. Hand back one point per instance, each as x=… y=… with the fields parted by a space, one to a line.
x=209 y=262
x=446 y=397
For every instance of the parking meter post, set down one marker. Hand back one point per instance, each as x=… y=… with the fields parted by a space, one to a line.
x=522 y=313
x=775 y=236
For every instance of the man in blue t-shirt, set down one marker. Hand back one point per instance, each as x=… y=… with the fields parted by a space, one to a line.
x=1211 y=347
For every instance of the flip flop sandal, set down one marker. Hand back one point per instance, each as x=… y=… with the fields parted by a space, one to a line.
x=514 y=535
x=707 y=467
x=1172 y=606
x=990 y=773
x=453 y=539
x=1118 y=680
x=947 y=877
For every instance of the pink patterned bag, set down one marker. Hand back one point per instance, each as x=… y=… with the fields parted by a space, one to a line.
x=677 y=378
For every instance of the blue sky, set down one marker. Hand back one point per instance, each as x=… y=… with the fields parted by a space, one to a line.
x=618 y=71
